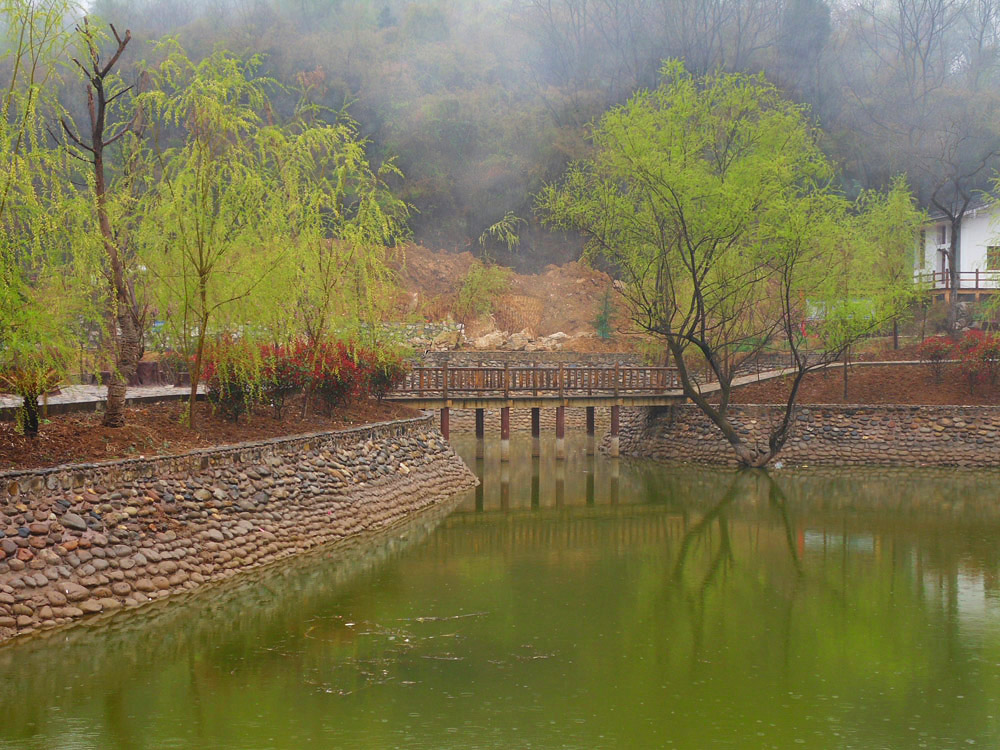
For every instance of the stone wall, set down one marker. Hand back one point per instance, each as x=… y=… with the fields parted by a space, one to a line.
x=831 y=435
x=78 y=540
x=524 y=359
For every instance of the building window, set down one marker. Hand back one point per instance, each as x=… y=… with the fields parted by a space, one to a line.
x=942 y=233
x=922 y=252
x=993 y=258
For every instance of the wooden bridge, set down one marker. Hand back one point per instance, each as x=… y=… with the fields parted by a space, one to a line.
x=536 y=387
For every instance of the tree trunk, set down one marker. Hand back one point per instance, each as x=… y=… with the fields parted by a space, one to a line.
x=955 y=282
x=196 y=373
x=124 y=319
x=128 y=350
x=846 y=358
x=29 y=411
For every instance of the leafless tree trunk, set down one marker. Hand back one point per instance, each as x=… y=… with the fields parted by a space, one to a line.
x=125 y=320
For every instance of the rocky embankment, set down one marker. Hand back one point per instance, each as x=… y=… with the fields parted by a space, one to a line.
x=78 y=540
x=822 y=435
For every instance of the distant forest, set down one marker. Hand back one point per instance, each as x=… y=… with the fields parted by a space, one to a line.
x=480 y=103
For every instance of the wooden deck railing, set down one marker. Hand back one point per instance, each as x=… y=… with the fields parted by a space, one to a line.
x=513 y=382
x=971 y=280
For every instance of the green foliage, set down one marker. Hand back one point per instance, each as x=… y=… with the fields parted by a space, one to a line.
x=715 y=202
x=29 y=378
x=259 y=228
x=44 y=261
x=480 y=289
x=504 y=232
x=340 y=219
x=603 y=321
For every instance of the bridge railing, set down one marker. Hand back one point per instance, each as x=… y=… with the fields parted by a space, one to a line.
x=429 y=382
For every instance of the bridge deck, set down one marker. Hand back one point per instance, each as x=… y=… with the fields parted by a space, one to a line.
x=550 y=387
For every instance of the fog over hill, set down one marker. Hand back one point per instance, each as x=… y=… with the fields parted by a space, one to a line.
x=482 y=102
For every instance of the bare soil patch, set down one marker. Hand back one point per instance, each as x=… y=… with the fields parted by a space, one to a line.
x=157 y=429
x=887 y=384
x=563 y=298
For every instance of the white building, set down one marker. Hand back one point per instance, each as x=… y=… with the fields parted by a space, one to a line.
x=978 y=252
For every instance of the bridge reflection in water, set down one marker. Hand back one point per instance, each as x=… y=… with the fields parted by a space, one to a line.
x=533 y=482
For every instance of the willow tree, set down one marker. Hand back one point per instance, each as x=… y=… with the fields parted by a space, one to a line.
x=211 y=202
x=41 y=280
x=716 y=203
x=255 y=228
x=340 y=221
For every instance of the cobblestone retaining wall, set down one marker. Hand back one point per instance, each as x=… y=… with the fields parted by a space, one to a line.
x=78 y=540
x=831 y=435
x=523 y=359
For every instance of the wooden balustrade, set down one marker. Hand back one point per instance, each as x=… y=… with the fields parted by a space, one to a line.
x=533 y=380
x=976 y=280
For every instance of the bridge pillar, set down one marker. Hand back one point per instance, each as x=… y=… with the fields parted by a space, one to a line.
x=560 y=433
x=615 y=469
x=445 y=423
x=590 y=430
x=480 y=489
x=480 y=432
x=505 y=434
x=536 y=431
x=613 y=448
x=535 y=475
x=591 y=470
x=560 y=483
x=504 y=486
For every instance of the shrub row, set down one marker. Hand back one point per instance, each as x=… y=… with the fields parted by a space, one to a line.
x=977 y=353
x=239 y=376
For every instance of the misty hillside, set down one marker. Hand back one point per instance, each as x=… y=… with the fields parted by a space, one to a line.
x=480 y=102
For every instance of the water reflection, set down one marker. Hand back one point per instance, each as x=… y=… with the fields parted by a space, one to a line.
x=614 y=605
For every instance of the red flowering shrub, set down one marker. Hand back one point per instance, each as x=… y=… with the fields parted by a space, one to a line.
x=934 y=351
x=283 y=373
x=989 y=353
x=237 y=375
x=331 y=371
x=979 y=358
x=381 y=372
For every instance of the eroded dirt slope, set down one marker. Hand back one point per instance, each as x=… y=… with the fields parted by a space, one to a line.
x=566 y=298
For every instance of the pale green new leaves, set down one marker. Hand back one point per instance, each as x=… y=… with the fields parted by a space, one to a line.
x=714 y=200
x=340 y=220
x=41 y=276
x=254 y=230
x=869 y=272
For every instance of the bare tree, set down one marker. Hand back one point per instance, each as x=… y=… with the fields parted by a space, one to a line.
x=125 y=317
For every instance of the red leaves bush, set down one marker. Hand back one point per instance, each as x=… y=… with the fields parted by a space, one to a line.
x=334 y=374
x=977 y=352
x=382 y=372
x=934 y=351
x=335 y=371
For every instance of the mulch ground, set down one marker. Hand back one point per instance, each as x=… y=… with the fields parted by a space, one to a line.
x=900 y=384
x=157 y=429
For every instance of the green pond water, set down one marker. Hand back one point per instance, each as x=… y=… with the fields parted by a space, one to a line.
x=587 y=605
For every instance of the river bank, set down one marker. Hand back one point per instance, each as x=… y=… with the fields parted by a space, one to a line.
x=82 y=539
x=821 y=434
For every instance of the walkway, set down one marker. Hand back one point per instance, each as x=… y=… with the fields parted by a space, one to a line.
x=93 y=397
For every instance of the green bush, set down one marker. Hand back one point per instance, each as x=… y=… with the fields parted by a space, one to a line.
x=602 y=323
x=480 y=288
